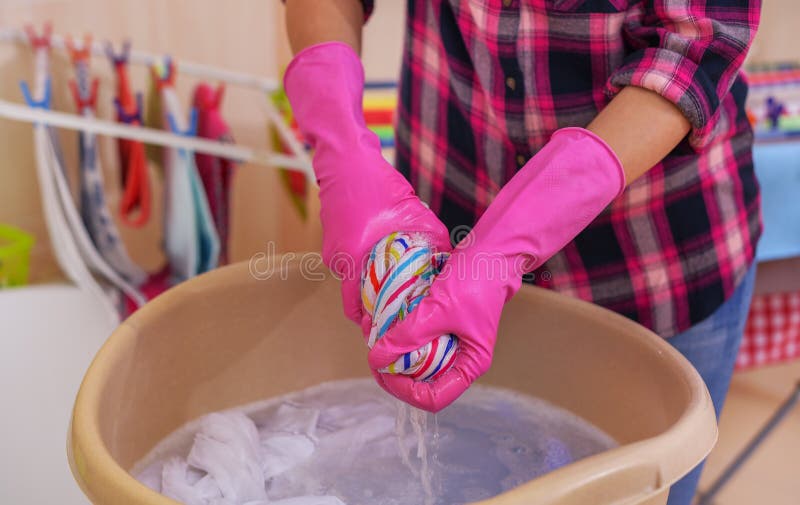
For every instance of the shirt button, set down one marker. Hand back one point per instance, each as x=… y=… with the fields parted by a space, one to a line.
x=511 y=83
x=507 y=3
x=520 y=160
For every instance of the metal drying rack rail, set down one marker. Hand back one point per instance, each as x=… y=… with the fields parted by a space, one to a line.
x=299 y=160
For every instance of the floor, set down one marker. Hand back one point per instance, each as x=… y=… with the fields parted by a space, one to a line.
x=772 y=475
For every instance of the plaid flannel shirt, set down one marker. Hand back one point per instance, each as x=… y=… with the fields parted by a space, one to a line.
x=485 y=83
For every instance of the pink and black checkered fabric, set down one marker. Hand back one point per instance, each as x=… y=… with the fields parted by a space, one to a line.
x=772 y=332
x=485 y=83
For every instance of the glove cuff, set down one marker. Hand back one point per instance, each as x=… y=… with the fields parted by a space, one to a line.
x=331 y=57
x=547 y=203
x=603 y=150
x=325 y=87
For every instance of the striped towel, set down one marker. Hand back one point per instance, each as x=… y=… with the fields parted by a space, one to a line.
x=397 y=277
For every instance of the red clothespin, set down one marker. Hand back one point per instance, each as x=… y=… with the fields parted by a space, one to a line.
x=81 y=102
x=40 y=41
x=81 y=54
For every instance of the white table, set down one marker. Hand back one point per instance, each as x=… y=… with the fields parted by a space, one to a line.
x=48 y=336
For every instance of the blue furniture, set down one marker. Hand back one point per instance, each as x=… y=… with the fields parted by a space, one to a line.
x=777 y=167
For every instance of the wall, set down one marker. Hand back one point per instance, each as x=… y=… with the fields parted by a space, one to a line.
x=247 y=36
x=242 y=39
x=775 y=39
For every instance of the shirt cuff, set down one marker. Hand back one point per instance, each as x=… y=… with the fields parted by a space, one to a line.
x=679 y=80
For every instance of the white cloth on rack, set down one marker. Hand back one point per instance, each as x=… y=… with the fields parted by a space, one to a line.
x=74 y=250
x=94 y=206
x=190 y=237
x=88 y=250
x=65 y=247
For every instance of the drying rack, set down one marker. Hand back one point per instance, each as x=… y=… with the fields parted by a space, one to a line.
x=298 y=160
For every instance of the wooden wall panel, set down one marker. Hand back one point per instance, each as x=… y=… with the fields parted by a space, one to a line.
x=245 y=35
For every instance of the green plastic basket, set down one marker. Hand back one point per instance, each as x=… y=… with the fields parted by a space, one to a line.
x=15 y=254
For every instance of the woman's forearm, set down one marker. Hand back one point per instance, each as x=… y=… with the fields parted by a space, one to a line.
x=641 y=127
x=310 y=22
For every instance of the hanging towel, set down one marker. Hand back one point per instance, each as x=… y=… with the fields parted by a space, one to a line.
x=190 y=238
x=216 y=173
x=136 y=198
x=134 y=170
x=398 y=275
x=94 y=208
x=70 y=241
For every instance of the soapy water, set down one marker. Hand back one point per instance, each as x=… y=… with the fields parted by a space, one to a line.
x=348 y=442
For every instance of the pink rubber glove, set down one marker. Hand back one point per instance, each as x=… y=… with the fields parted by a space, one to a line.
x=362 y=197
x=544 y=206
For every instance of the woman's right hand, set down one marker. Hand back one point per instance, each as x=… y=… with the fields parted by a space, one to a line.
x=362 y=197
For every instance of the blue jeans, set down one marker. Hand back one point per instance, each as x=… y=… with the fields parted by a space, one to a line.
x=712 y=346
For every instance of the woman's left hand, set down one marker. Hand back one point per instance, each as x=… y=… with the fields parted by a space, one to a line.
x=550 y=200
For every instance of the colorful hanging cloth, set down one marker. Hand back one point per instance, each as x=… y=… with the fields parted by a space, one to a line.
x=71 y=243
x=294 y=182
x=94 y=208
x=379 y=105
x=190 y=238
x=134 y=170
x=136 y=199
x=216 y=173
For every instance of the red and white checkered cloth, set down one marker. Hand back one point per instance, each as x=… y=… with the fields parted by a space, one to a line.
x=772 y=332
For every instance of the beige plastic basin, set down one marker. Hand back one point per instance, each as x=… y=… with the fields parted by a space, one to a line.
x=225 y=339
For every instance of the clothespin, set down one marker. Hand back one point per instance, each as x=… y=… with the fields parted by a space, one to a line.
x=208 y=100
x=191 y=131
x=128 y=118
x=170 y=69
x=164 y=75
x=219 y=95
x=120 y=58
x=82 y=102
x=44 y=103
x=82 y=54
x=40 y=41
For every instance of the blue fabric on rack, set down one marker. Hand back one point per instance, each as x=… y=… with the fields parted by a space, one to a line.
x=191 y=237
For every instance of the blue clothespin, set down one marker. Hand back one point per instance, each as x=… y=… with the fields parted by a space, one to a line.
x=44 y=103
x=193 y=116
x=191 y=131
